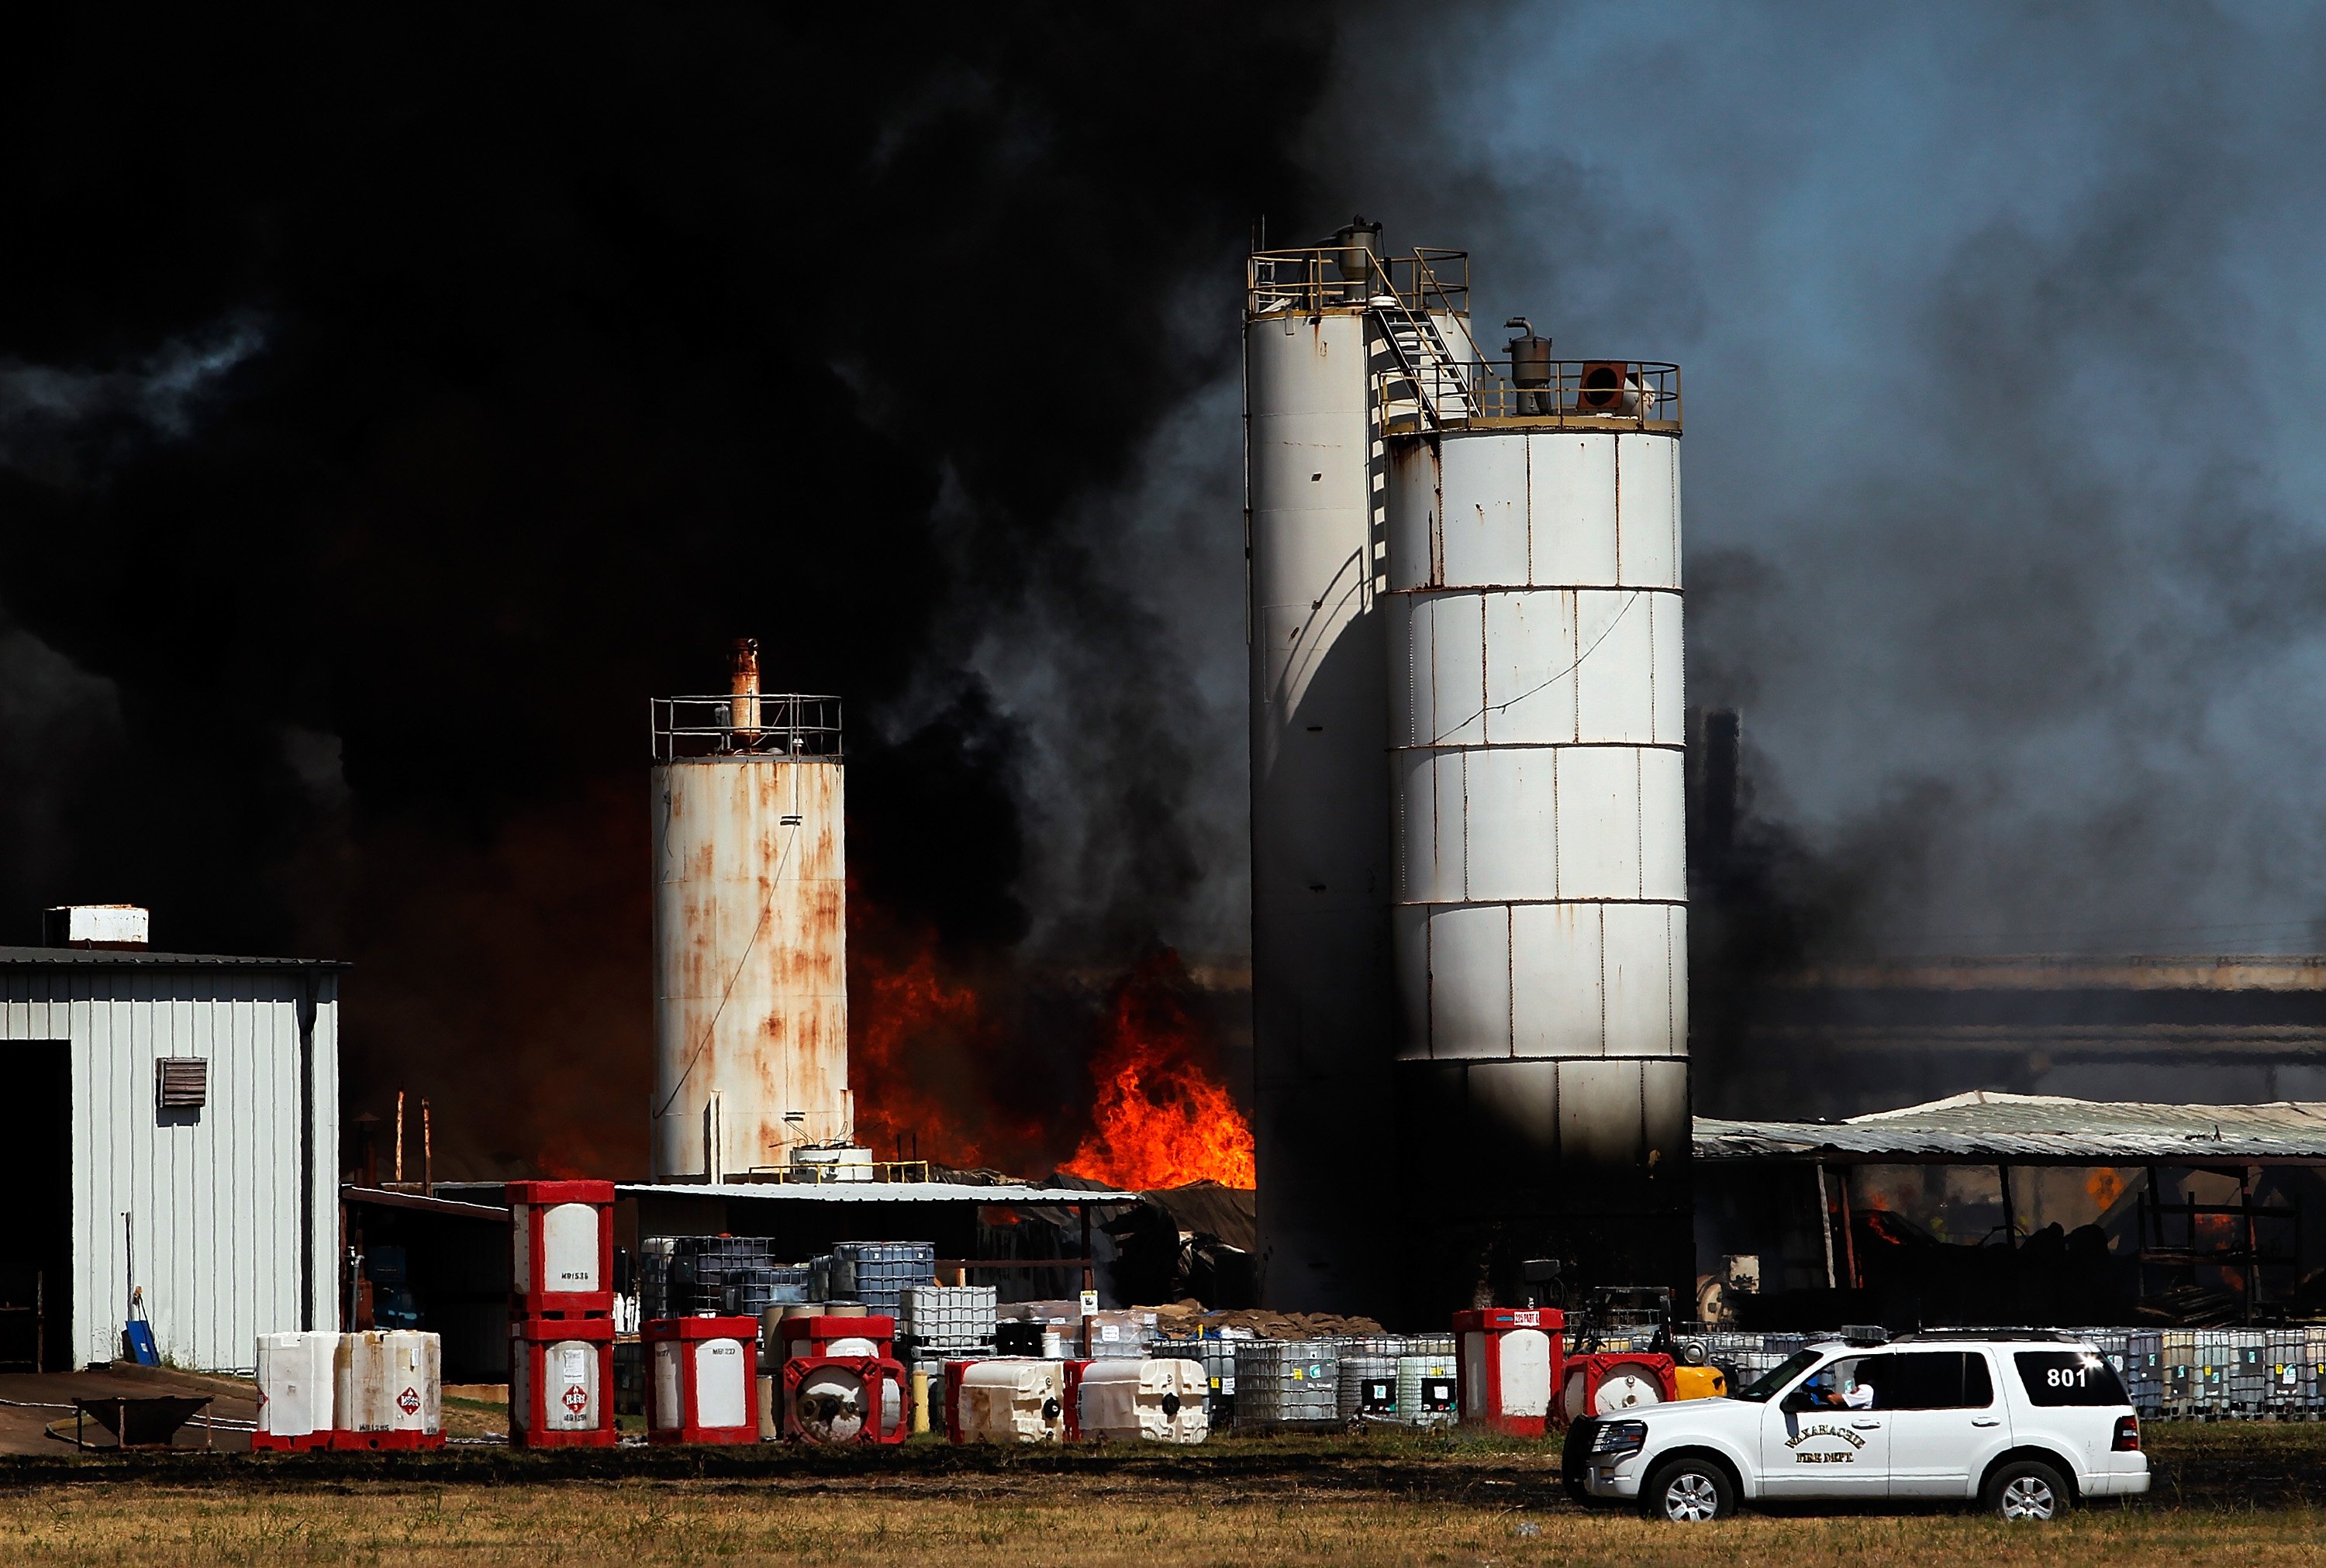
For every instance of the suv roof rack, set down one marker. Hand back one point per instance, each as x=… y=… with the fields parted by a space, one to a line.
x=2035 y=1336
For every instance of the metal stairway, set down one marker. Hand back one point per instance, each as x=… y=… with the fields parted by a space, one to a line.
x=1439 y=385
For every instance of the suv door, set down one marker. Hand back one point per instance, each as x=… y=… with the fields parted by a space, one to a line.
x=1945 y=1418
x=1821 y=1440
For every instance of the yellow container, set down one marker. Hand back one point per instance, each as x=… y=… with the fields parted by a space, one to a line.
x=1700 y=1382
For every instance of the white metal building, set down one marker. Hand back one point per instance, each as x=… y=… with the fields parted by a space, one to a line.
x=180 y=1112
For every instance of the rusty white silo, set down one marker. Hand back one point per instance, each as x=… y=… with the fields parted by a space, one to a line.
x=750 y=929
x=1538 y=900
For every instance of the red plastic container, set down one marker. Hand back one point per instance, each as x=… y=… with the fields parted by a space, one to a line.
x=1508 y=1360
x=845 y=1399
x=702 y=1376
x=831 y=1337
x=561 y=1383
x=1583 y=1379
x=563 y=1236
x=1073 y=1400
x=344 y=1441
x=303 y=1443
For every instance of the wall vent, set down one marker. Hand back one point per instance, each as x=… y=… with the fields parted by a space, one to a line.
x=182 y=1082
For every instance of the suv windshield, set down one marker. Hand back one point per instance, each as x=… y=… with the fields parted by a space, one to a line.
x=1765 y=1387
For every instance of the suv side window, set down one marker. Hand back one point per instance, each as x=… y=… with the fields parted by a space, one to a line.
x=2068 y=1378
x=1934 y=1380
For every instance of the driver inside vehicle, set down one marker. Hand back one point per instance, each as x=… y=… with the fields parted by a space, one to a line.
x=1841 y=1387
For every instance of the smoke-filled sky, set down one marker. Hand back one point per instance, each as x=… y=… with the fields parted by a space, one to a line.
x=2001 y=331
x=390 y=404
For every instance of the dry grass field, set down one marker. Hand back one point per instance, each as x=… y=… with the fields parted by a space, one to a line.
x=2253 y=1495
x=1077 y=1524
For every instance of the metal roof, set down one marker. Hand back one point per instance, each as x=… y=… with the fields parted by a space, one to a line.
x=146 y=958
x=1987 y=1127
x=451 y=1208
x=871 y=1192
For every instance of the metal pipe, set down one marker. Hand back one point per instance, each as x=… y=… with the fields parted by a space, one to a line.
x=743 y=711
x=399 y=1138
x=1849 y=1240
x=427 y=1151
x=1825 y=1228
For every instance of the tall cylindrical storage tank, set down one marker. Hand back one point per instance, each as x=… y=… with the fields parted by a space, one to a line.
x=1319 y=840
x=1538 y=900
x=751 y=933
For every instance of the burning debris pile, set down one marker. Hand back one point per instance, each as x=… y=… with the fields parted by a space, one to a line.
x=1162 y=1117
x=939 y=1065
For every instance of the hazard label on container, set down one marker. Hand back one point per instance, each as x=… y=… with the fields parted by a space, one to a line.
x=577 y=1398
x=408 y=1401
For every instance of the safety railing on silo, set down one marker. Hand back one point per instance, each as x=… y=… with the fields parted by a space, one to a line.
x=746 y=723
x=1437 y=376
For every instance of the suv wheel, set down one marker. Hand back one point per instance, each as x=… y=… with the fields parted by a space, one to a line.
x=1688 y=1491
x=2027 y=1489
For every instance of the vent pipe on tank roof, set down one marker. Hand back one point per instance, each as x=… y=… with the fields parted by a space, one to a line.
x=743 y=713
x=1529 y=355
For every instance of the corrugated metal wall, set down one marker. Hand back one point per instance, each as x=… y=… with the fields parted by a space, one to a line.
x=216 y=1192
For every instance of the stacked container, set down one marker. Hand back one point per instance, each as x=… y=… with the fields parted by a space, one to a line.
x=2144 y=1370
x=699 y=1374
x=561 y=1382
x=2292 y=1378
x=938 y=1323
x=688 y=1276
x=1287 y=1385
x=1510 y=1365
x=1007 y=1399
x=2177 y=1355
x=295 y=1384
x=833 y=1399
x=1117 y=1335
x=1216 y=1354
x=1428 y=1390
x=2232 y=1371
x=749 y=1292
x=840 y=1380
x=560 y=1314
x=1610 y=1381
x=876 y=1274
x=1369 y=1387
x=1118 y=1398
x=388 y=1390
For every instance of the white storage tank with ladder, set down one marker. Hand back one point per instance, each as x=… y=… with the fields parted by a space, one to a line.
x=1538 y=910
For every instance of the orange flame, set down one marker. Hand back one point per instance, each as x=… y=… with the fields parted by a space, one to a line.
x=1161 y=1118
x=921 y=1048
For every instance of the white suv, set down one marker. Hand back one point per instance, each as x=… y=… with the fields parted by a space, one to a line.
x=2024 y=1422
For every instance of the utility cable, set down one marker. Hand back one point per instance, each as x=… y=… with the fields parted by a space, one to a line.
x=766 y=911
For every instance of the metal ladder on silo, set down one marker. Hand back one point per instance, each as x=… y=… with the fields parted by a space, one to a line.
x=1439 y=391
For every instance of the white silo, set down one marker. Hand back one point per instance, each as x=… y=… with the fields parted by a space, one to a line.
x=750 y=929
x=1485 y=1003
x=1538 y=907
x=1319 y=724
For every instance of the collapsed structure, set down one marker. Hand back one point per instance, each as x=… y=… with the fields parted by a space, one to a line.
x=1469 y=891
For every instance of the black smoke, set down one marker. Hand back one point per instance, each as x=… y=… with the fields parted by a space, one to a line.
x=391 y=402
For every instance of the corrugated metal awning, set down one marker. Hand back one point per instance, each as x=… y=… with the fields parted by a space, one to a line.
x=1987 y=1127
x=146 y=958
x=871 y=1192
